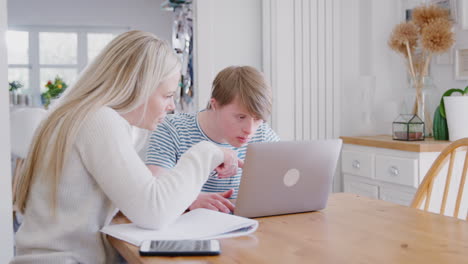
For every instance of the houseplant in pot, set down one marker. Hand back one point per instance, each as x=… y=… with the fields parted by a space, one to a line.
x=54 y=90
x=13 y=88
x=450 y=120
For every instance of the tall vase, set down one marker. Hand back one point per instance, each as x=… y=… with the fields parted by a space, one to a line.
x=421 y=100
x=13 y=98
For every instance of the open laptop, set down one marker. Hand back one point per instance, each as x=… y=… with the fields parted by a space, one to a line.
x=287 y=177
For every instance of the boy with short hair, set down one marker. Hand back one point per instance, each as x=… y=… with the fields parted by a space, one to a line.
x=240 y=103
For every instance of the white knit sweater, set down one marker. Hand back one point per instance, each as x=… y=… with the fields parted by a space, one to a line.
x=103 y=172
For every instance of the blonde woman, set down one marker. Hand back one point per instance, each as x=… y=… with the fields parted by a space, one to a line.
x=240 y=103
x=82 y=166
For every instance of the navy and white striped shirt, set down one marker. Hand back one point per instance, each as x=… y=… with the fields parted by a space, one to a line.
x=181 y=131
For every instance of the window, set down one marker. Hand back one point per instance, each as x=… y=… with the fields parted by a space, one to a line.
x=96 y=42
x=18 y=59
x=38 y=54
x=58 y=55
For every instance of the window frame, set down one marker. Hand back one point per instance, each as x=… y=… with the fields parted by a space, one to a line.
x=82 y=51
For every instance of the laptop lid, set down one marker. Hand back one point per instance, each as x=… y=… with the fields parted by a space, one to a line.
x=287 y=177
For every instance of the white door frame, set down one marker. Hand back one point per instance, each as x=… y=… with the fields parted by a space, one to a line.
x=6 y=223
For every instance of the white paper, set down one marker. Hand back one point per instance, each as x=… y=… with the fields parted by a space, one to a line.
x=197 y=224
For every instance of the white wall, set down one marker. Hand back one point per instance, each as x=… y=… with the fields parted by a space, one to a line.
x=144 y=15
x=366 y=27
x=226 y=33
x=6 y=225
x=365 y=30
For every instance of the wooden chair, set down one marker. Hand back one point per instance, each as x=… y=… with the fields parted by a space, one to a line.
x=452 y=185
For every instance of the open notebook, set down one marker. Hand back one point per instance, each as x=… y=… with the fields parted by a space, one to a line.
x=197 y=224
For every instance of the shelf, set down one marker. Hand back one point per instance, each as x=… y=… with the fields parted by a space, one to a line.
x=386 y=141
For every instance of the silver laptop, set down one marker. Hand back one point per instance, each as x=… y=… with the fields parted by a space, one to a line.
x=287 y=177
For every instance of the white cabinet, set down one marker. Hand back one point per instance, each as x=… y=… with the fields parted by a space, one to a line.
x=393 y=169
x=358 y=163
x=355 y=185
x=381 y=168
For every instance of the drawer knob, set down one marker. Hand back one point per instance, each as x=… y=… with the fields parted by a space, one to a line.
x=356 y=164
x=393 y=171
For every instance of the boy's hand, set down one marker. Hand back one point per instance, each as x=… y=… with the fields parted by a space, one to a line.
x=214 y=201
x=231 y=162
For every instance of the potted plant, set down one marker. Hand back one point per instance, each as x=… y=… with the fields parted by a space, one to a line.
x=54 y=89
x=15 y=85
x=450 y=122
x=13 y=88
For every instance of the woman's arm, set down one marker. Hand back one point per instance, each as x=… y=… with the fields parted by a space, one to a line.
x=105 y=145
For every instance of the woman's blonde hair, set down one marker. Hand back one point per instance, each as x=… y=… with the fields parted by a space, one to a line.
x=122 y=77
x=248 y=85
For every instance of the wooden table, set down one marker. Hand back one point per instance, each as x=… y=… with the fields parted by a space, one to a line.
x=352 y=229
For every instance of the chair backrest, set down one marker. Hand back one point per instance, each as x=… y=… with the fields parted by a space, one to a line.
x=447 y=194
x=23 y=124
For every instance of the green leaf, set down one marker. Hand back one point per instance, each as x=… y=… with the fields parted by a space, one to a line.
x=466 y=91
x=15 y=85
x=448 y=93
x=440 y=126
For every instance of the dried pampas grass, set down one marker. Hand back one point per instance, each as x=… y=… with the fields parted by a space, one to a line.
x=437 y=36
x=429 y=32
x=425 y=14
x=430 y=29
x=403 y=34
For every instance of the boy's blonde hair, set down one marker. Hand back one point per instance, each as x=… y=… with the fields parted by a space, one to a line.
x=122 y=77
x=248 y=85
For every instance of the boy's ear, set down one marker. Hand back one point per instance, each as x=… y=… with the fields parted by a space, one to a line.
x=213 y=103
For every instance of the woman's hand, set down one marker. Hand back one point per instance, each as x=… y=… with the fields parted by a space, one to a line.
x=214 y=201
x=230 y=165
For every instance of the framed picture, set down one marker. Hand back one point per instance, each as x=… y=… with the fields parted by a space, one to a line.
x=461 y=63
x=407 y=7
x=450 y=5
x=464 y=14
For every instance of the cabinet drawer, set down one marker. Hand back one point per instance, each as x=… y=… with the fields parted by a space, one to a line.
x=397 y=196
x=396 y=170
x=361 y=188
x=357 y=163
